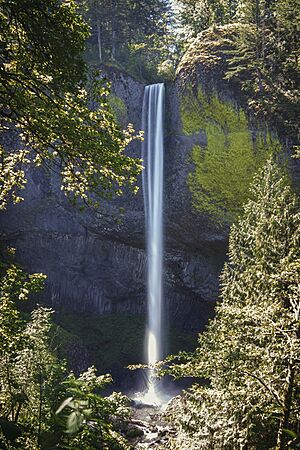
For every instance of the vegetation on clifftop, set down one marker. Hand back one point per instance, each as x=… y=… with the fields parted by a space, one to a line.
x=254 y=44
x=135 y=36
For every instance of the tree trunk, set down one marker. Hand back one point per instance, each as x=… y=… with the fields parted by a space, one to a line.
x=288 y=397
x=40 y=406
x=113 y=30
x=99 y=37
x=113 y=45
x=259 y=44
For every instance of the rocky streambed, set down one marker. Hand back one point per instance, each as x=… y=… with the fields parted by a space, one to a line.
x=148 y=427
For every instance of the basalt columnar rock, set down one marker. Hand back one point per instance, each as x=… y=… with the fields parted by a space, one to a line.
x=95 y=259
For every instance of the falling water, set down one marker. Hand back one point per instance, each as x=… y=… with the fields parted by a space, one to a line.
x=152 y=152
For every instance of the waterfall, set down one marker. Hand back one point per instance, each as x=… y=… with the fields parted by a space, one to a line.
x=153 y=156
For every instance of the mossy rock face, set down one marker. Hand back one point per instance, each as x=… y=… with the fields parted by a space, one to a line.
x=225 y=165
x=112 y=341
x=119 y=109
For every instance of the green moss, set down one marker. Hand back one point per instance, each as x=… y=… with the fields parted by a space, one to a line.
x=119 y=109
x=113 y=340
x=224 y=167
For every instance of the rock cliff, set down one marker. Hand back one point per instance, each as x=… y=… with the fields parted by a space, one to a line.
x=95 y=259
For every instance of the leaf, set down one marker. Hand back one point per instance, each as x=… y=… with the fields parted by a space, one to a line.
x=291 y=433
x=10 y=429
x=74 y=422
x=64 y=404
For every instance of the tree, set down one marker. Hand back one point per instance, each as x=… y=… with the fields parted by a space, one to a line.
x=89 y=415
x=262 y=59
x=197 y=15
x=42 y=405
x=250 y=352
x=108 y=24
x=266 y=60
x=45 y=99
x=125 y=33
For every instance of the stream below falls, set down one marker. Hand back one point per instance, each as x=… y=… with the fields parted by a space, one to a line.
x=148 y=427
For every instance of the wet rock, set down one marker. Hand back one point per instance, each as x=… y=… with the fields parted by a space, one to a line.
x=156 y=429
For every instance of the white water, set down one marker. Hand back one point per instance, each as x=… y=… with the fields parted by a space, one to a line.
x=153 y=156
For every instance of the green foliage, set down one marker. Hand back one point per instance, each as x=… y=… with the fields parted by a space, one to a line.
x=112 y=340
x=153 y=59
x=14 y=286
x=255 y=46
x=197 y=15
x=133 y=35
x=28 y=371
x=250 y=352
x=266 y=60
x=209 y=50
x=34 y=383
x=88 y=415
x=45 y=100
x=224 y=168
x=116 y=23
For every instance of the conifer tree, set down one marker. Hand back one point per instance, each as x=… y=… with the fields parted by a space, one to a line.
x=250 y=353
x=197 y=15
x=117 y=24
